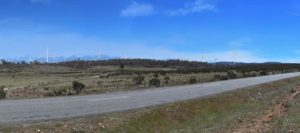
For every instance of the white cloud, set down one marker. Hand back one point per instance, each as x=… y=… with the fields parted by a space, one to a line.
x=137 y=10
x=197 y=6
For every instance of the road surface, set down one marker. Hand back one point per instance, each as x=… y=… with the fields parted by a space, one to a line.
x=65 y=107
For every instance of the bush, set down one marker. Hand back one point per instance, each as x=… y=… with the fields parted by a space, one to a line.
x=232 y=74
x=167 y=78
x=263 y=73
x=78 y=87
x=59 y=92
x=2 y=92
x=138 y=80
x=254 y=74
x=156 y=75
x=122 y=66
x=50 y=94
x=193 y=80
x=220 y=77
x=154 y=82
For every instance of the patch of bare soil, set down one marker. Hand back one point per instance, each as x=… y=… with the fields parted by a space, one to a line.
x=262 y=123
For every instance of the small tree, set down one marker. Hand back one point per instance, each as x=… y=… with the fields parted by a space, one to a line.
x=78 y=87
x=138 y=80
x=122 y=66
x=59 y=92
x=193 y=80
x=263 y=73
x=36 y=62
x=220 y=77
x=154 y=82
x=232 y=74
x=167 y=79
x=156 y=75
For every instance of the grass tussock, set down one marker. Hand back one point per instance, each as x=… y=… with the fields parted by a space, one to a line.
x=291 y=122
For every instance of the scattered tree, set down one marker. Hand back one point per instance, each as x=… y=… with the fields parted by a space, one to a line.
x=59 y=92
x=78 y=87
x=154 y=82
x=232 y=75
x=167 y=79
x=263 y=73
x=138 y=80
x=193 y=80
x=122 y=66
x=220 y=77
x=156 y=75
x=36 y=62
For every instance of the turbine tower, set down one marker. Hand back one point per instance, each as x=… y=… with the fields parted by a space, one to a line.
x=47 y=56
x=234 y=55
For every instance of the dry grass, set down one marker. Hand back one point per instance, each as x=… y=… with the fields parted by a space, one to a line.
x=46 y=79
x=291 y=122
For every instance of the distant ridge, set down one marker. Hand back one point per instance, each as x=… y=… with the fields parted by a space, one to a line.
x=241 y=63
x=59 y=59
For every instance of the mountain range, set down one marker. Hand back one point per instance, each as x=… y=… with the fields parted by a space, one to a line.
x=59 y=58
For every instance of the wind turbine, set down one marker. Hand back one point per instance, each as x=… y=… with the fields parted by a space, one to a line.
x=203 y=60
x=234 y=55
x=216 y=59
x=47 y=55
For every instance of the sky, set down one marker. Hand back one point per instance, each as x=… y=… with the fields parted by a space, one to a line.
x=201 y=30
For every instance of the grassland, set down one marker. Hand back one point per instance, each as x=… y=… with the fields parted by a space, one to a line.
x=226 y=112
x=44 y=81
x=36 y=80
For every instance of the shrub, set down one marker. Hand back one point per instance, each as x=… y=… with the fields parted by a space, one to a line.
x=156 y=75
x=50 y=94
x=254 y=74
x=78 y=87
x=154 y=82
x=250 y=74
x=232 y=74
x=167 y=78
x=59 y=92
x=138 y=80
x=193 y=80
x=2 y=92
x=122 y=66
x=220 y=77
x=263 y=73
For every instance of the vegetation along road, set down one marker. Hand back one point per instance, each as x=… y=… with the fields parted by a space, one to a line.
x=64 y=107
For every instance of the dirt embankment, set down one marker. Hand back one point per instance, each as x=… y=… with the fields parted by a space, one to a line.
x=262 y=123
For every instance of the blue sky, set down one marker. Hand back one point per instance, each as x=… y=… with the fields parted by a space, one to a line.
x=256 y=30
